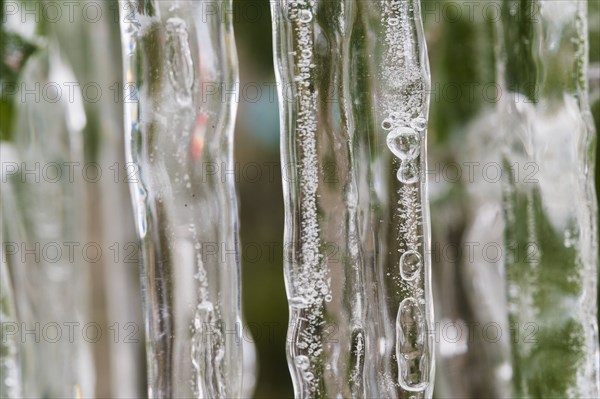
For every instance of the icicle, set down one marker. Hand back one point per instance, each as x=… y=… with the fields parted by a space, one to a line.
x=404 y=74
x=94 y=49
x=549 y=200
x=42 y=203
x=324 y=273
x=354 y=79
x=175 y=55
x=473 y=337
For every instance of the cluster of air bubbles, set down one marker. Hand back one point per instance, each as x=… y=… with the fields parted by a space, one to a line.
x=311 y=281
x=302 y=17
x=404 y=140
x=303 y=365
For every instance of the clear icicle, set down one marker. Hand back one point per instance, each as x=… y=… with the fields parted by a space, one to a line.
x=325 y=288
x=94 y=50
x=356 y=78
x=308 y=285
x=549 y=198
x=44 y=211
x=400 y=109
x=186 y=217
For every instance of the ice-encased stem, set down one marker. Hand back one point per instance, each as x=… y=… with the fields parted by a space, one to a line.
x=354 y=81
x=550 y=207
x=175 y=53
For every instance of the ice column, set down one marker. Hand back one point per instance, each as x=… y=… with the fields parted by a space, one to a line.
x=180 y=68
x=549 y=198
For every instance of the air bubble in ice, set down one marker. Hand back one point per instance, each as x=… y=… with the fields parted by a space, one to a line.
x=410 y=346
x=302 y=362
x=408 y=173
x=419 y=124
x=410 y=327
x=410 y=264
x=404 y=142
x=386 y=124
x=305 y=16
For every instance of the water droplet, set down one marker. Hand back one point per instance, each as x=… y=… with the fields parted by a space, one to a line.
x=308 y=376
x=179 y=58
x=393 y=21
x=328 y=298
x=302 y=362
x=410 y=264
x=404 y=142
x=408 y=173
x=419 y=124
x=305 y=16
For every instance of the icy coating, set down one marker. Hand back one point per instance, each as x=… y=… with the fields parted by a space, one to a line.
x=191 y=292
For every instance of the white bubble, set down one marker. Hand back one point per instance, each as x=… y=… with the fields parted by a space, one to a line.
x=302 y=362
x=305 y=16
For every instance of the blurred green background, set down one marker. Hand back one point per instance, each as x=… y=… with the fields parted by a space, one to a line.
x=261 y=200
